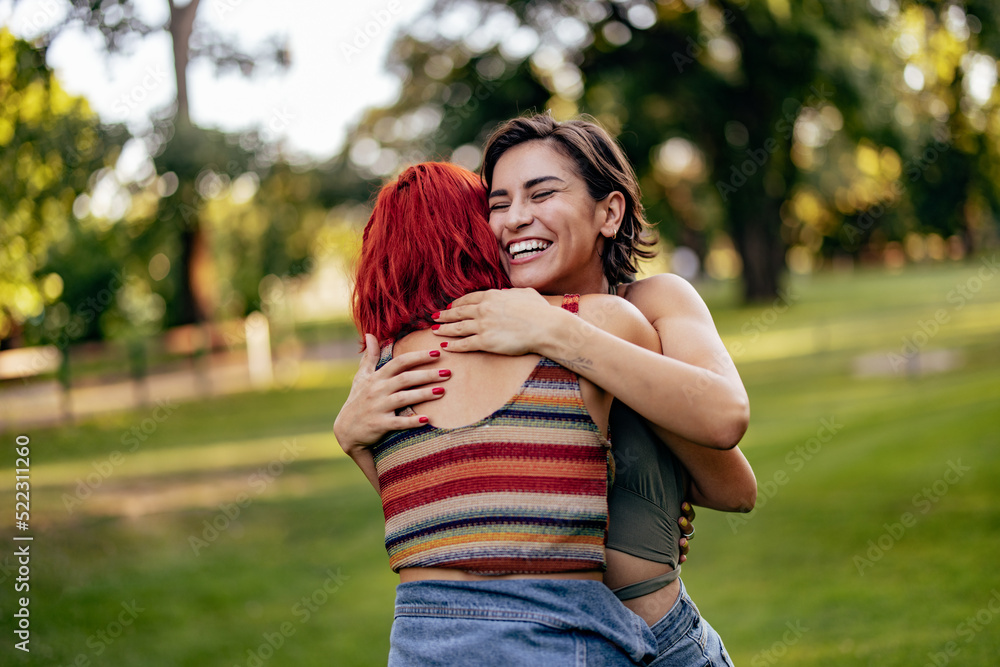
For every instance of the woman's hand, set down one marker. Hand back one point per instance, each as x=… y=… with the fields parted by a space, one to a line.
x=686 y=522
x=498 y=321
x=370 y=410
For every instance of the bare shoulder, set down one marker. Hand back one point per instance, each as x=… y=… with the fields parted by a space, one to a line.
x=618 y=317
x=665 y=295
x=601 y=309
x=600 y=306
x=415 y=341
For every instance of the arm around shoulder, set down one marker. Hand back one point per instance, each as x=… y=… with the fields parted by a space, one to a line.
x=688 y=334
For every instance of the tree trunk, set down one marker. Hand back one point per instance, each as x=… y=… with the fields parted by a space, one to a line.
x=196 y=307
x=181 y=25
x=758 y=242
x=188 y=312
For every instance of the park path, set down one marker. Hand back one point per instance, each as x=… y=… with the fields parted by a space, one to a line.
x=26 y=404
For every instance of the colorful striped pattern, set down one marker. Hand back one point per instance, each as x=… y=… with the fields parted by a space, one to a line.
x=523 y=491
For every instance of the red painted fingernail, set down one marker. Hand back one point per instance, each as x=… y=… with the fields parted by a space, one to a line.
x=435 y=315
x=444 y=344
x=444 y=373
x=435 y=327
x=437 y=391
x=424 y=420
x=435 y=353
x=449 y=306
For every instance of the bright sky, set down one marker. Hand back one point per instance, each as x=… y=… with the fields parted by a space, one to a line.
x=338 y=51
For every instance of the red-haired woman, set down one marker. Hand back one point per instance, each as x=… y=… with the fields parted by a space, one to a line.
x=494 y=493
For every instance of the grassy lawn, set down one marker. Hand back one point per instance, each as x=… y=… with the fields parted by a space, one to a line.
x=234 y=532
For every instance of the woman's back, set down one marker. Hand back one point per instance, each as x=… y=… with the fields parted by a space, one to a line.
x=510 y=476
x=482 y=382
x=516 y=485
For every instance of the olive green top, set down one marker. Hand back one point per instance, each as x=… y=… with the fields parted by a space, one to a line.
x=645 y=502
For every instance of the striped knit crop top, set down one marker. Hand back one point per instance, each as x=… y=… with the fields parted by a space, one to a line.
x=522 y=491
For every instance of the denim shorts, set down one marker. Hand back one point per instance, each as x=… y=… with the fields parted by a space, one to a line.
x=515 y=622
x=685 y=639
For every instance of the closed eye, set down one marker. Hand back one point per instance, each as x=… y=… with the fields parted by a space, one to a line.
x=542 y=195
x=499 y=206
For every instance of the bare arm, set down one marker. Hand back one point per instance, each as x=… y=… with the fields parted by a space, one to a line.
x=720 y=476
x=615 y=316
x=364 y=459
x=721 y=480
x=718 y=479
x=692 y=389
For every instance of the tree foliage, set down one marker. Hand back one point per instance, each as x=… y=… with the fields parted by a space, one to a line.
x=792 y=127
x=50 y=145
x=162 y=214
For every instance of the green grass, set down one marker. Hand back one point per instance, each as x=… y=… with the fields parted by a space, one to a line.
x=310 y=527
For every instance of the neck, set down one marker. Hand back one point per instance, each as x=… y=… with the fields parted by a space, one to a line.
x=593 y=284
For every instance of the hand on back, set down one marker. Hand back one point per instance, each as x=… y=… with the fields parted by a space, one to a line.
x=370 y=410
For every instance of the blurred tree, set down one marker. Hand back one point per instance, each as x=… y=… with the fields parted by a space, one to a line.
x=777 y=122
x=50 y=144
x=936 y=177
x=179 y=147
x=264 y=228
x=193 y=164
x=119 y=272
x=951 y=80
x=720 y=78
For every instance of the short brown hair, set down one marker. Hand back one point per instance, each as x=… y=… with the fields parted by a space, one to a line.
x=602 y=165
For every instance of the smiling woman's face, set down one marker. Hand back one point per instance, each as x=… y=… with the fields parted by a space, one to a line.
x=551 y=231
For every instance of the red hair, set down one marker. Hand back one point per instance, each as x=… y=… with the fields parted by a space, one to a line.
x=427 y=243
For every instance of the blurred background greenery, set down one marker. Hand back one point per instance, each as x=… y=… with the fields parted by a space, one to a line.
x=174 y=340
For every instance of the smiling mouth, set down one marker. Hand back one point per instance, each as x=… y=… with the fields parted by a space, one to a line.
x=525 y=249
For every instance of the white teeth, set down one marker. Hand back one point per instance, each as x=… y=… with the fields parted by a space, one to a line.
x=527 y=246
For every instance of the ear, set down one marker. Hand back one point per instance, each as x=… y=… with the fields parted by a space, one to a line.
x=613 y=207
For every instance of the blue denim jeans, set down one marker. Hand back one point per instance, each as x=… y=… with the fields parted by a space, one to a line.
x=685 y=639
x=509 y=622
